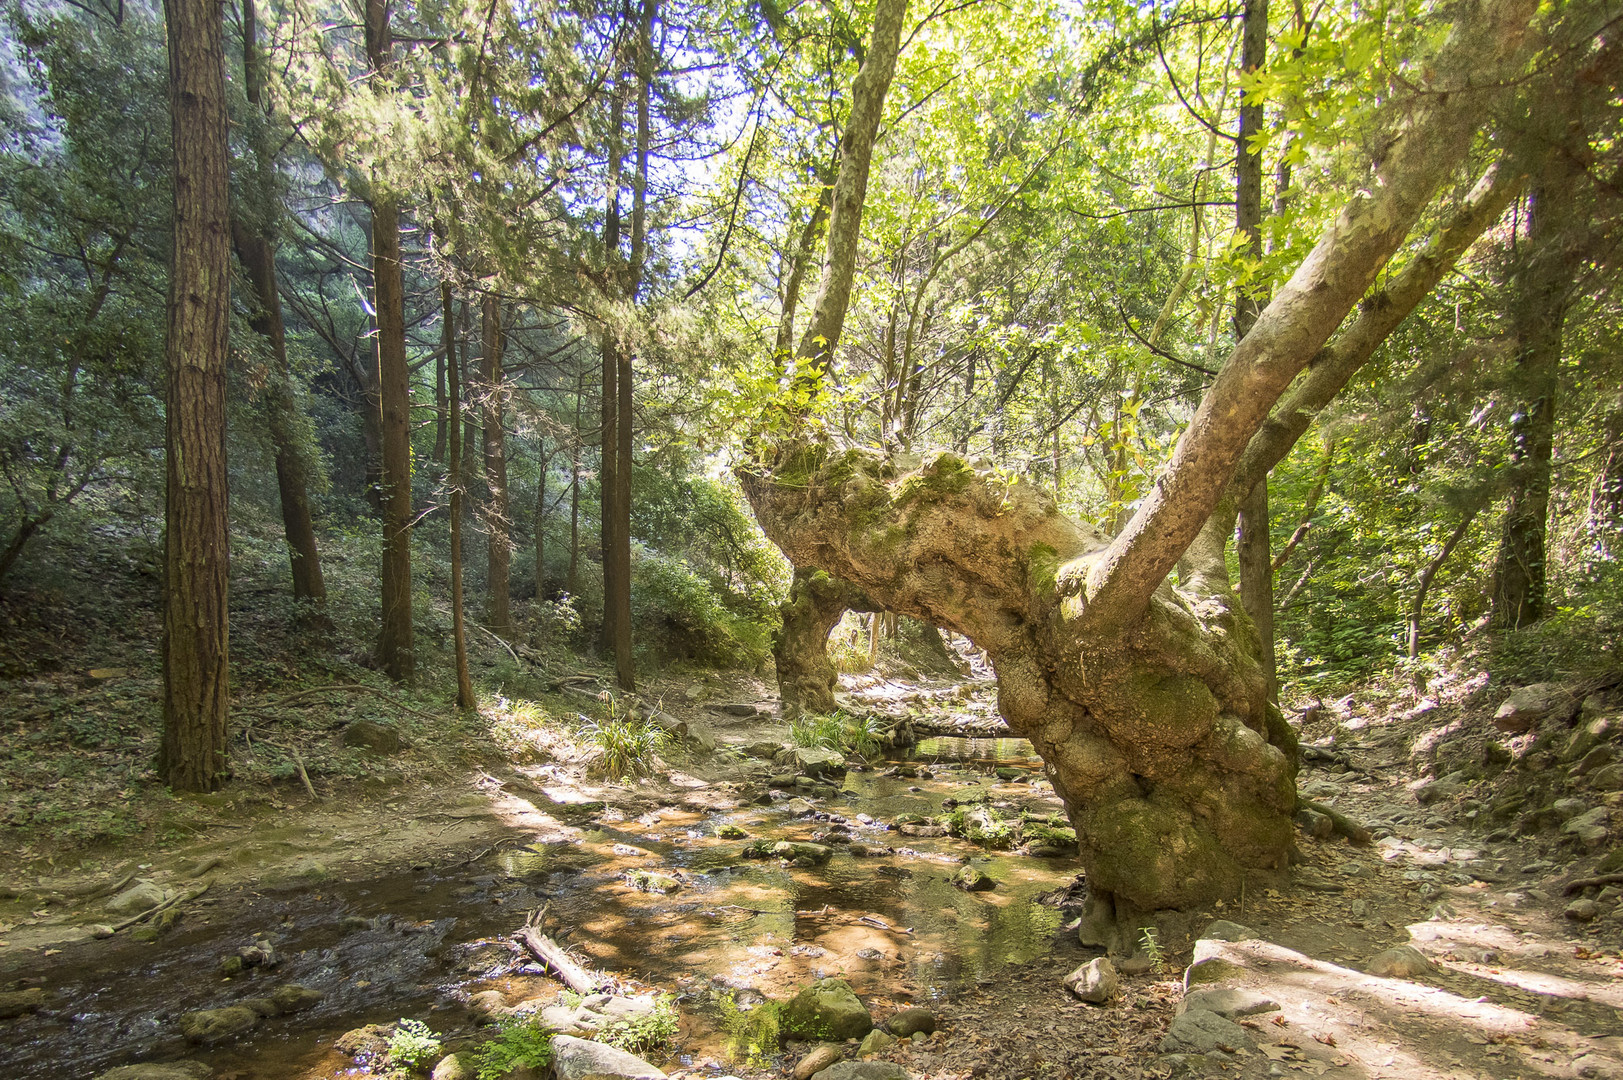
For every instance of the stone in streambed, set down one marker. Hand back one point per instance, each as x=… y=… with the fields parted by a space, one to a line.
x=582 y=1059
x=817 y=1059
x=827 y=1009
x=168 y=1070
x=972 y=880
x=17 y=1002
x=212 y=1025
x=875 y=1042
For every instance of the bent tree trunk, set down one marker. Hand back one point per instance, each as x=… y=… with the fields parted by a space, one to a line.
x=806 y=676
x=1145 y=698
x=1177 y=773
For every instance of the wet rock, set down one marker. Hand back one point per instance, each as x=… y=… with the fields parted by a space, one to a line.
x=650 y=881
x=973 y=879
x=17 y=1002
x=1582 y=910
x=1399 y=962
x=1223 y=930
x=582 y=1059
x=212 y=1025
x=371 y=1041
x=262 y=1006
x=922 y=831
x=1200 y=1031
x=141 y=896
x=169 y=1070
x=1528 y=705
x=370 y=735
x=864 y=1070
x=797 y=850
x=1095 y=982
x=814 y=761
x=817 y=1059
x=910 y=1022
x=454 y=1067
x=827 y=1009
x=1228 y=1002
x=295 y=998
x=730 y=831
x=487 y=1005
x=231 y=965
x=875 y=1042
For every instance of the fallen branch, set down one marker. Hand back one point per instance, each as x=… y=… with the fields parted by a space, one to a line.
x=873 y=921
x=178 y=898
x=1344 y=825
x=562 y=966
x=502 y=643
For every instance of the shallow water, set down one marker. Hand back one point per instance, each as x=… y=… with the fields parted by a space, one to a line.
x=890 y=923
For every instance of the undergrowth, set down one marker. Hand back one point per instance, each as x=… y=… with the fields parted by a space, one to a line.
x=519 y=1041
x=752 y=1034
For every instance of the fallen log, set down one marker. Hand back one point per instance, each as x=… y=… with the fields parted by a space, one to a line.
x=563 y=968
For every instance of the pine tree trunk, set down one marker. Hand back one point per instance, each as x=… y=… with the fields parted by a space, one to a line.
x=395 y=649
x=544 y=460
x=459 y=632
x=498 y=512
x=196 y=638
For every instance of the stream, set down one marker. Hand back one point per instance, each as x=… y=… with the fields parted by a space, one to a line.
x=418 y=943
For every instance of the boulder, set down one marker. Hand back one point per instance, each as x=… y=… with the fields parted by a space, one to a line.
x=141 y=896
x=1607 y=777
x=766 y=751
x=909 y=1021
x=1095 y=982
x=827 y=1009
x=169 y=1070
x=1527 y=706
x=875 y=1042
x=1399 y=962
x=1589 y=829
x=17 y=1002
x=582 y=1059
x=1582 y=910
x=973 y=879
x=454 y=1067
x=370 y=735
x=817 y=1059
x=487 y=1005
x=812 y=761
x=1228 y=1002
x=369 y=1041
x=212 y=1025
x=1200 y=1031
x=864 y=1070
x=295 y=998
x=797 y=850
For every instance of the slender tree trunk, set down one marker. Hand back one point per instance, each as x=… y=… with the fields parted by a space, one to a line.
x=1427 y=576
x=543 y=462
x=1542 y=293
x=574 y=487
x=1256 y=563
x=395 y=648
x=459 y=632
x=253 y=241
x=439 y=406
x=609 y=431
x=805 y=250
x=498 y=512
x=196 y=637
x=472 y=440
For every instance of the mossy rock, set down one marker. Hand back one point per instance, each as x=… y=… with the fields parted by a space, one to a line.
x=828 y=1010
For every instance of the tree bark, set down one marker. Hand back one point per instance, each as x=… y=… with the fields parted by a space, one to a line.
x=459 y=632
x=255 y=250
x=395 y=649
x=806 y=676
x=543 y=462
x=1542 y=293
x=610 y=447
x=196 y=635
x=498 y=512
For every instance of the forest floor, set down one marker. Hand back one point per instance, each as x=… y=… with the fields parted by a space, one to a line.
x=393 y=880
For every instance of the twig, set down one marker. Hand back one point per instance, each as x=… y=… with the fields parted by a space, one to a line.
x=873 y=921
x=298 y=763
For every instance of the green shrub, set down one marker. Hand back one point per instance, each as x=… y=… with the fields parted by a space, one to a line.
x=413 y=1046
x=519 y=1041
x=643 y=1035
x=684 y=615
x=629 y=745
x=850 y=734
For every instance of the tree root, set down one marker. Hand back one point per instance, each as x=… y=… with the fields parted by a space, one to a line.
x=1344 y=825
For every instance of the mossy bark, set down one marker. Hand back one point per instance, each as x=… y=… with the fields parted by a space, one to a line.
x=806 y=676
x=1176 y=771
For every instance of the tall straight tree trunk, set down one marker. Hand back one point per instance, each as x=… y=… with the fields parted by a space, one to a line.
x=609 y=430
x=498 y=516
x=459 y=631
x=1542 y=292
x=472 y=441
x=1252 y=544
x=543 y=461
x=574 y=487
x=196 y=627
x=395 y=650
x=440 y=407
x=253 y=241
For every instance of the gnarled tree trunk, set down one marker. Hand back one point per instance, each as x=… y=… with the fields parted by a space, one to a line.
x=806 y=676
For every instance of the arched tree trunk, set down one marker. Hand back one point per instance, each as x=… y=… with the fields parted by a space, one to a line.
x=1144 y=697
